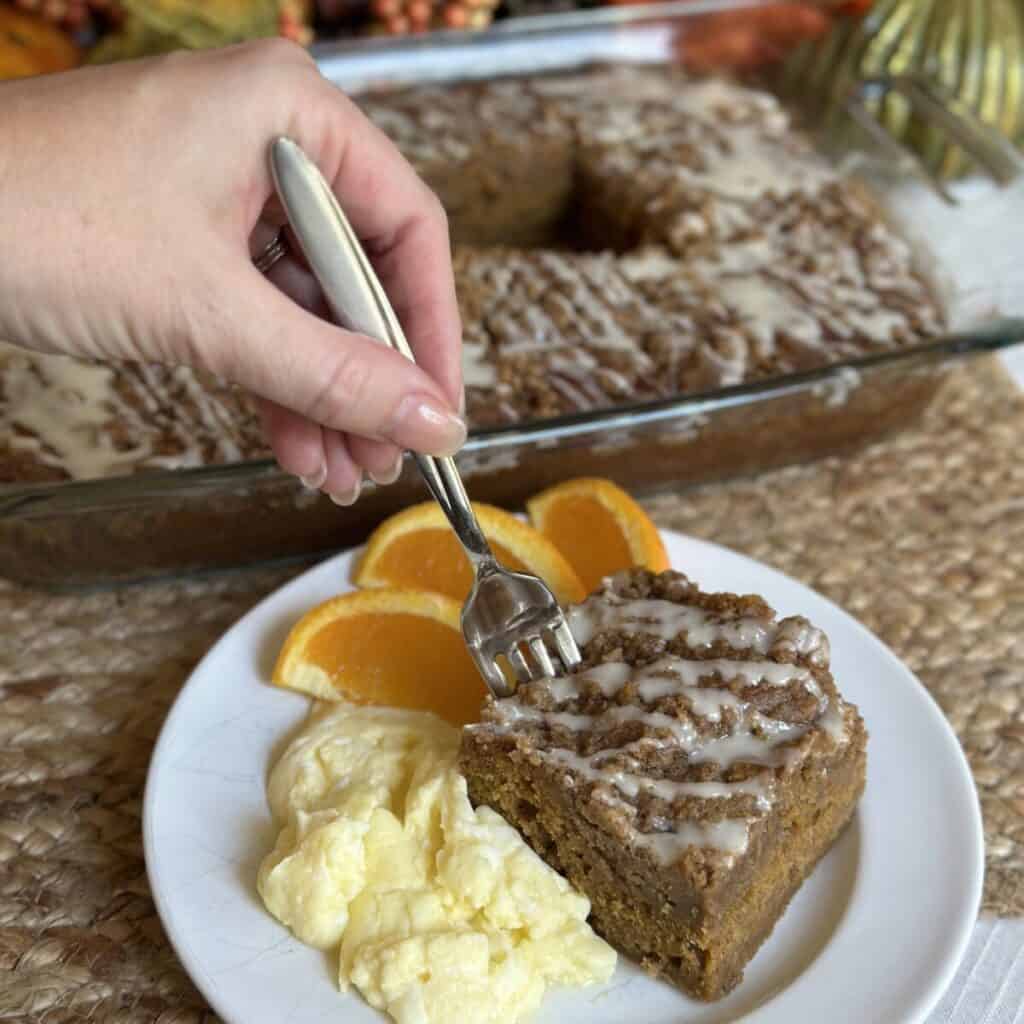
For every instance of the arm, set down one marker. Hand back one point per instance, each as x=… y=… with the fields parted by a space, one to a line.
x=131 y=200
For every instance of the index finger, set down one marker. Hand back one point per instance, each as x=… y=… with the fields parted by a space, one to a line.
x=401 y=224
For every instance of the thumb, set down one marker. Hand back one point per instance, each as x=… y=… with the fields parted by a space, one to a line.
x=339 y=379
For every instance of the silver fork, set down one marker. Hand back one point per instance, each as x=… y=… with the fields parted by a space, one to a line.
x=507 y=613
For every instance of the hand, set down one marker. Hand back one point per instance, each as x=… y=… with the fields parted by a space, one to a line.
x=132 y=199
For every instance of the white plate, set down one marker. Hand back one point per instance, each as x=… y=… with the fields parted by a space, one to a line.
x=874 y=935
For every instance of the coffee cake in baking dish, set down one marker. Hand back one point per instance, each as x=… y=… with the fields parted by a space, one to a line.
x=686 y=778
x=620 y=235
x=683 y=236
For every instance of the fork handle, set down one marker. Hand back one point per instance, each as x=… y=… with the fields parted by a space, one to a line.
x=358 y=302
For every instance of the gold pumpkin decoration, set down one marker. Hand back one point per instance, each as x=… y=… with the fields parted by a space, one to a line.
x=159 y=26
x=974 y=49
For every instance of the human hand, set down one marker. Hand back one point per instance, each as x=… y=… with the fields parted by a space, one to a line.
x=132 y=199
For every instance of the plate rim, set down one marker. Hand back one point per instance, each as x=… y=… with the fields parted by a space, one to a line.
x=932 y=989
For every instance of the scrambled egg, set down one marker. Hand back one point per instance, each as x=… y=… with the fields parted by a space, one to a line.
x=442 y=912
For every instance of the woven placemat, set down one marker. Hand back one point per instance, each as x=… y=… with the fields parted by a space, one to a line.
x=921 y=537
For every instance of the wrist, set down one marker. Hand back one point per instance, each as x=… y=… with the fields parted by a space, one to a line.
x=53 y=286
x=16 y=243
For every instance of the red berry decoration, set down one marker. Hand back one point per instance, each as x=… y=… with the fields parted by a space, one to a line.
x=399 y=17
x=745 y=40
x=293 y=21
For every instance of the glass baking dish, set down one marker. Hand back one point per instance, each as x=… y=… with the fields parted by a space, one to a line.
x=177 y=521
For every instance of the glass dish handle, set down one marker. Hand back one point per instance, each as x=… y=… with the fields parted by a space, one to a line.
x=932 y=101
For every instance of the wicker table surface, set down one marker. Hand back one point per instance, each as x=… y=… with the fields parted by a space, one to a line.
x=920 y=537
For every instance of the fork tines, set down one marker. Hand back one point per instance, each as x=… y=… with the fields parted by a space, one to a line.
x=531 y=658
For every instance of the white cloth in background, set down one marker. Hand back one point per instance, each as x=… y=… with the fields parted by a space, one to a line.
x=973 y=249
x=989 y=984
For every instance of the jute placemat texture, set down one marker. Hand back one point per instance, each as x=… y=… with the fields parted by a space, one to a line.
x=921 y=537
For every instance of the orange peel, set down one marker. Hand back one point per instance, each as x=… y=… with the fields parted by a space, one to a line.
x=401 y=648
x=598 y=527
x=416 y=549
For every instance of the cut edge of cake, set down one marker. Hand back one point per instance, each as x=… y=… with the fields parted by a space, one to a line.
x=686 y=779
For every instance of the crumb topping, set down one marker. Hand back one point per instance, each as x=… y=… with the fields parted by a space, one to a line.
x=687 y=710
x=746 y=255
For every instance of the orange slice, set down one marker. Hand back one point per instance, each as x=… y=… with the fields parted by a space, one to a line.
x=402 y=648
x=417 y=549
x=598 y=527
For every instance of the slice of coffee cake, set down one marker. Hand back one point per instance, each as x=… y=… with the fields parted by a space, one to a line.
x=686 y=778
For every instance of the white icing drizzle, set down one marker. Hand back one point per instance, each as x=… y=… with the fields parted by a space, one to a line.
x=752 y=741
x=64 y=411
x=65 y=406
x=705 y=701
x=665 y=675
x=797 y=636
x=767 y=311
x=617 y=767
x=211 y=415
x=747 y=747
x=833 y=721
x=478 y=370
x=731 y=836
x=670 y=675
x=610 y=677
x=632 y=784
x=649 y=265
x=748 y=166
x=837 y=389
x=667 y=620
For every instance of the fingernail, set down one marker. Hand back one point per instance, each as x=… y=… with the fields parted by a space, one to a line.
x=349 y=497
x=314 y=481
x=389 y=476
x=425 y=425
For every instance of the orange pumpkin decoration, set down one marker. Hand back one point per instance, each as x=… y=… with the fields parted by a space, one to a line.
x=31 y=46
x=745 y=40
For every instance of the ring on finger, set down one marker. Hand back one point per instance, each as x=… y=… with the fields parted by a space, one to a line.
x=276 y=249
